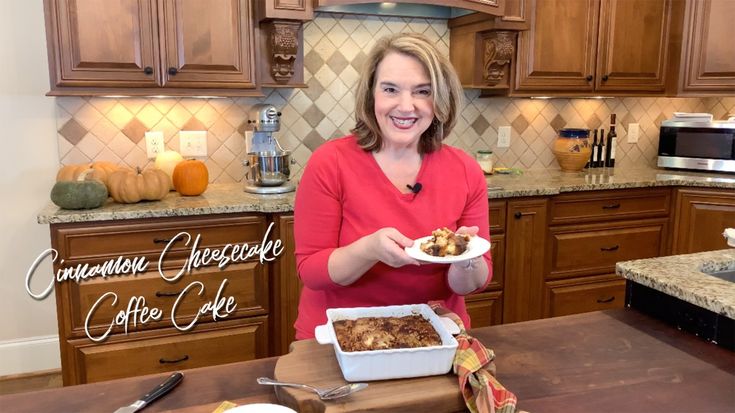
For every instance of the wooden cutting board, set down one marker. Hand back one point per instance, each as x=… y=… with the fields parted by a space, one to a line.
x=316 y=364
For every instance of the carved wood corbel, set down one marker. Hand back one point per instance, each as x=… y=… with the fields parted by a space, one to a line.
x=283 y=47
x=498 y=50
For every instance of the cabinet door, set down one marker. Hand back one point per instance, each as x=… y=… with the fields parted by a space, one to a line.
x=286 y=9
x=524 y=260
x=485 y=309
x=286 y=288
x=558 y=52
x=709 y=53
x=633 y=43
x=207 y=43
x=701 y=217
x=124 y=54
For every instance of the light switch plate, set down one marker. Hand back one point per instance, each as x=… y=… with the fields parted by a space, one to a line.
x=504 y=137
x=193 y=143
x=154 y=143
x=633 y=132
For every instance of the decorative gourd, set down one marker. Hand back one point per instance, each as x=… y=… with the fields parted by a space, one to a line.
x=101 y=171
x=128 y=186
x=167 y=161
x=82 y=193
x=191 y=177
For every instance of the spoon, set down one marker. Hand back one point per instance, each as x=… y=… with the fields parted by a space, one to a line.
x=324 y=394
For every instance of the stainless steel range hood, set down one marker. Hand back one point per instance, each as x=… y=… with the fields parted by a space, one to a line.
x=397 y=9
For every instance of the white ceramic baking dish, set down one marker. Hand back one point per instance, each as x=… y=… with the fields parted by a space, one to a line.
x=393 y=363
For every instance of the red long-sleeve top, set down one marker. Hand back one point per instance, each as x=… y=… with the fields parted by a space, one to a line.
x=343 y=195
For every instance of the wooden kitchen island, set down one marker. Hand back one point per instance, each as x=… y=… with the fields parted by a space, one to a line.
x=608 y=361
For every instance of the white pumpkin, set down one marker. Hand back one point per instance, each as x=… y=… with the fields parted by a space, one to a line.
x=167 y=161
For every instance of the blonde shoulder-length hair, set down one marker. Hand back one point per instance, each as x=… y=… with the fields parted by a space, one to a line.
x=445 y=87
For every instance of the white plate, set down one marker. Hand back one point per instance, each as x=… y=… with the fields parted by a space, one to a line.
x=476 y=247
x=261 y=408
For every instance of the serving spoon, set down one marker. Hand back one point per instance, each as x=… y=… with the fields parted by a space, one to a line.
x=324 y=394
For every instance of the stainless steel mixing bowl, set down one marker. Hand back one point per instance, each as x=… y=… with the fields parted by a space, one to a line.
x=268 y=168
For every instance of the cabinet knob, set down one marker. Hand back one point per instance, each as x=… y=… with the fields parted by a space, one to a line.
x=604 y=78
x=172 y=71
x=148 y=70
x=589 y=78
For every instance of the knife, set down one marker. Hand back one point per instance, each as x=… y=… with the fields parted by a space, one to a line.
x=154 y=394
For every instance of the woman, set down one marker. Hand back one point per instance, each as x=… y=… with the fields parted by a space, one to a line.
x=365 y=197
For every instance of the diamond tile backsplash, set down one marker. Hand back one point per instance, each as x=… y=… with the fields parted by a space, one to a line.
x=335 y=46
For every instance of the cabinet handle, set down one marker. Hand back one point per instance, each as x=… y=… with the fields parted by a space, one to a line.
x=613 y=248
x=589 y=78
x=172 y=71
x=519 y=214
x=161 y=241
x=165 y=294
x=148 y=70
x=611 y=206
x=604 y=78
x=179 y=360
x=606 y=300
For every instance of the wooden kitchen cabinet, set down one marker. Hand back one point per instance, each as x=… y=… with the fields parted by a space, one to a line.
x=708 y=56
x=286 y=288
x=586 y=46
x=701 y=217
x=159 y=346
x=145 y=47
x=486 y=308
x=588 y=233
x=524 y=260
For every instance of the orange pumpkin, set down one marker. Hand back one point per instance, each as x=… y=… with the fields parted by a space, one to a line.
x=101 y=171
x=128 y=186
x=191 y=177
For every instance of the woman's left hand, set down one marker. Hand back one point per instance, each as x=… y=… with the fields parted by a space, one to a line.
x=471 y=231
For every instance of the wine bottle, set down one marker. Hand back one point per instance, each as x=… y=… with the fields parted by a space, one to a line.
x=612 y=141
x=603 y=149
x=593 y=156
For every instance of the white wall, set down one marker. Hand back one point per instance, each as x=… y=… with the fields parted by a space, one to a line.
x=29 y=152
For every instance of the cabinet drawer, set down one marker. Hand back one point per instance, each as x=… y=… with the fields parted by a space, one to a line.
x=170 y=350
x=596 y=206
x=497 y=252
x=594 y=249
x=95 y=242
x=485 y=309
x=497 y=216
x=580 y=296
x=246 y=283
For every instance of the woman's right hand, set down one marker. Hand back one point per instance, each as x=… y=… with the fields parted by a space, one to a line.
x=387 y=245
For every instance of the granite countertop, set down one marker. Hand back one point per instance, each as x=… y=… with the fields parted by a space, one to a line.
x=681 y=276
x=230 y=198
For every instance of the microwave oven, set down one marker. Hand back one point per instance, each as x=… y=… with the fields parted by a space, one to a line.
x=708 y=146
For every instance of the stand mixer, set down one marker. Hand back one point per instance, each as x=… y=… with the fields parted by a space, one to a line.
x=267 y=166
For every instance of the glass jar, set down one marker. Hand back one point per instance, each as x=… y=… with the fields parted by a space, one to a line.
x=572 y=149
x=485 y=159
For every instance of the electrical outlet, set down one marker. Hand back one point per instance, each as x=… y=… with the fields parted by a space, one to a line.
x=154 y=143
x=633 y=132
x=504 y=137
x=193 y=143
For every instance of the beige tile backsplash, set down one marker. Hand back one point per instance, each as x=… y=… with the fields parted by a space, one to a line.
x=335 y=46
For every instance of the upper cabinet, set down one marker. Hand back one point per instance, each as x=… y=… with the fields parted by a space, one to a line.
x=148 y=47
x=590 y=46
x=708 y=52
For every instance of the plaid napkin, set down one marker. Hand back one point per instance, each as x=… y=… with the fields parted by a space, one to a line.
x=475 y=368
